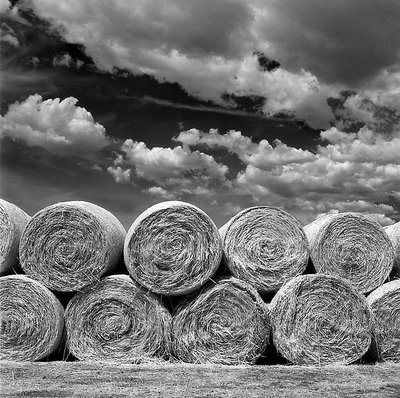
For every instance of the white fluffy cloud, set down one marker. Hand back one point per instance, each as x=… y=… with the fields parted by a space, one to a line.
x=356 y=171
x=60 y=127
x=176 y=171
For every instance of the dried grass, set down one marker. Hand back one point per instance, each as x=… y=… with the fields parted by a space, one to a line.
x=385 y=306
x=227 y=323
x=70 y=245
x=320 y=320
x=172 y=248
x=393 y=232
x=265 y=247
x=31 y=319
x=351 y=246
x=12 y=222
x=117 y=320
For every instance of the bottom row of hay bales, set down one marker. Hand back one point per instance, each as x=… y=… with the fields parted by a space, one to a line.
x=312 y=320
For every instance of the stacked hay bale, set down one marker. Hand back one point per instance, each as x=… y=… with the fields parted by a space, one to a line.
x=264 y=246
x=12 y=222
x=385 y=306
x=227 y=323
x=115 y=319
x=320 y=320
x=351 y=246
x=70 y=245
x=393 y=232
x=31 y=319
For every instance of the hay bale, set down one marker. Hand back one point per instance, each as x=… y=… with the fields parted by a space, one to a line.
x=385 y=306
x=12 y=223
x=265 y=247
x=320 y=320
x=227 y=323
x=70 y=245
x=393 y=232
x=117 y=320
x=351 y=246
x=31 y=319
x=172 y=248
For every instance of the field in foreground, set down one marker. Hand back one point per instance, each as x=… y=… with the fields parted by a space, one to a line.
x=77 y=379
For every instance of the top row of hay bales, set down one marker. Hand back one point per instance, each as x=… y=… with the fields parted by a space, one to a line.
x=173 y=247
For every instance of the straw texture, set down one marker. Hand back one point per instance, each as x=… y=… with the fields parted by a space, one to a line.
x=31 y=319
x=227 y=323
x=320 y=320
x=172 y=248
x=70 y=245
x=12 y=223
x=117 y=320
x=393 y=232
x=265 y=247
x=385 y=305
x=353 y=247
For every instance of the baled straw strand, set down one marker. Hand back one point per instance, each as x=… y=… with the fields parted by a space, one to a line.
x=385 y=306
x=227 y=323
x=31 y=319
x=264 y=246
x=172 y=248
x=117 y=320
x=393 y=232
x=12 y=223
x=70 y=245
x=351 y=246
x=320 y=320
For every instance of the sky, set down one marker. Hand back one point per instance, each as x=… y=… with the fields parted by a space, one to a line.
x=224 y=104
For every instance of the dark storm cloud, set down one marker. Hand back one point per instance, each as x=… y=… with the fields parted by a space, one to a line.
x=339 y=41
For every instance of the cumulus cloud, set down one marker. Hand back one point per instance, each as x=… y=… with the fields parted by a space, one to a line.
x=60 y=127
x=177 y=171
x=350 y=172
x=8 y=35
x=66 y=60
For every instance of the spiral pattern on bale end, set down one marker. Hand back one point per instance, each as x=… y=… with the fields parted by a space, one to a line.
x=70 y=245
x=351 y=246
x=12 y=222
x=320 y=320
x=117 y=320
x=172 y=248
x=31 y=319
x=385 y=306
x=264 y=246
x=393 y=231
x=227 y=323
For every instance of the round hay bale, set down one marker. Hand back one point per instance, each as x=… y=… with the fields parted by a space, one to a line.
x=70 y=245
x=264 y=246
x=320 y=320
x=393 y=232
x=172 y=248
x=12 y=223
x=31 y=319
x=227 y=323
x=351 y=246
x=385 y=305
x=117 y=320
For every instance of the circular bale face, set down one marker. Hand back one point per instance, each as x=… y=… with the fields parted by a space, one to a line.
x=70 y=245
x=385 y=306
x=351 y=246
x=265 y=247
x=228 y=323
x=31 y=319
x=172 y=248
x=393 y=231
x=320 y=320
x=117 y=320
x=12 y=223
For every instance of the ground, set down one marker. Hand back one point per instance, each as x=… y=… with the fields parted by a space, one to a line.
x=79 y=379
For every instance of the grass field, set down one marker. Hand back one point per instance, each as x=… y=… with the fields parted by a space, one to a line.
x=78 y=379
